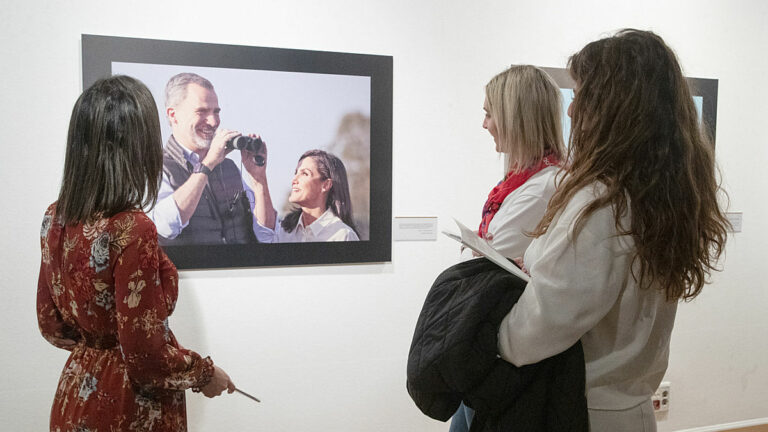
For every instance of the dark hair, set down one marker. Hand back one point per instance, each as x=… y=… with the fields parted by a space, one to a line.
x=114 y=156
x=635 y=130
x=339 y=201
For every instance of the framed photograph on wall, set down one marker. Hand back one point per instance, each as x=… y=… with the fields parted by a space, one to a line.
x=703 y=90
x=294 y=101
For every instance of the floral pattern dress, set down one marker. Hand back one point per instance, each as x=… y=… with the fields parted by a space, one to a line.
x=107 y=285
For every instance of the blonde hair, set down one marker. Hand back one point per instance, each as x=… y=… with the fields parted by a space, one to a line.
x=526 y=105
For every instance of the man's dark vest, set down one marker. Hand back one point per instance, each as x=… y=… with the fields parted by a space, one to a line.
x=223 y=214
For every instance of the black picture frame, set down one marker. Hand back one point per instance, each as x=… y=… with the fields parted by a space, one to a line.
x=704 y=88
x=100 y=52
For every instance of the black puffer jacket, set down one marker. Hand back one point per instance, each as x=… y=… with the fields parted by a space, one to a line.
x=454 y=357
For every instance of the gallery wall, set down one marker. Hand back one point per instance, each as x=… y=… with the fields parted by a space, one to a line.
x=325 y=347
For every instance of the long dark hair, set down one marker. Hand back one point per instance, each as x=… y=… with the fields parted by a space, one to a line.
x=635 y=130
x=114 y=155
x=339 y=201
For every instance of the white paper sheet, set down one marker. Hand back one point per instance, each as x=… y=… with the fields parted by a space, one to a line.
x=471 y=240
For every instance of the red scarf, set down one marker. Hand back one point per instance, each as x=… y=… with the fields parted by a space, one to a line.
x=511 y=182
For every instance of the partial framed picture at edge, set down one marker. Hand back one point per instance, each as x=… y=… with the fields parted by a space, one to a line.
x=703 y=91
x=335 y=109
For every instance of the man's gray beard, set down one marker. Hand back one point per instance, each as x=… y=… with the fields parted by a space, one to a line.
x=202 y=144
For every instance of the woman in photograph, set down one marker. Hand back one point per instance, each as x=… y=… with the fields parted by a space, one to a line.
x=523 y=109
x=319 y=190
x=633 y=228
x=106 y=289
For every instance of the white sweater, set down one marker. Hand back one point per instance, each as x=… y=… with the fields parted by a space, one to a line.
x=582 y=288
x=520 y=213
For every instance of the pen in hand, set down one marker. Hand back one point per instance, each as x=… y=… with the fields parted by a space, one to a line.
x=246 y=395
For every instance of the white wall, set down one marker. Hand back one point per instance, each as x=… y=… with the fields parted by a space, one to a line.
x=326 y=347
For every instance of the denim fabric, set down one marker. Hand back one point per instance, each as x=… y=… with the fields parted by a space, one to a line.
x=462 y=420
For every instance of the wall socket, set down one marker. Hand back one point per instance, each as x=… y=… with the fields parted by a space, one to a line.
x=660 y=399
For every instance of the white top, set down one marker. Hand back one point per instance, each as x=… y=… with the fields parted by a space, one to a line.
x=520 y=213
x=328 y=227
x=582 y=288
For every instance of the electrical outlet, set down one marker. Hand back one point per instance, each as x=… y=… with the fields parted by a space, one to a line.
x=660 y=399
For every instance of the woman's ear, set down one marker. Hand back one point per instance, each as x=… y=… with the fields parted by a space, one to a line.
x=327 y=185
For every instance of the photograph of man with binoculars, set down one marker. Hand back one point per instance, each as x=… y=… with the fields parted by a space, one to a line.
x=208 y=198
x=267 y=152
x=202 y=199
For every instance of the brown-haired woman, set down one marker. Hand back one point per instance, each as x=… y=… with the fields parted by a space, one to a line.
x=106 y=289
x=632 y=229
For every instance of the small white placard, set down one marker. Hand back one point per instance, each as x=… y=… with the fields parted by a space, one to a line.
x=415 y=228
x=735 y=219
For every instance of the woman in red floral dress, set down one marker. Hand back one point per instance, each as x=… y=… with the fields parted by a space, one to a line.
x=106 y=289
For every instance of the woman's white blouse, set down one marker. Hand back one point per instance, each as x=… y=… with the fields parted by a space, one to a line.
x=582 y=288
x=520 y=213
x=328 y=227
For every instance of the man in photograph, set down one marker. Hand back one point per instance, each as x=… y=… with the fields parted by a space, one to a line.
x=202 y=199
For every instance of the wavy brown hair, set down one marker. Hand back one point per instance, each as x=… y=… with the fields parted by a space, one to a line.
x=114 y=157
x=635 y=130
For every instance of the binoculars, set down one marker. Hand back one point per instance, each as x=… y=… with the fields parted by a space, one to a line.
x=253 y=145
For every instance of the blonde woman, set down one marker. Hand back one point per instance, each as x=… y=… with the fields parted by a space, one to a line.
x=523 y=115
